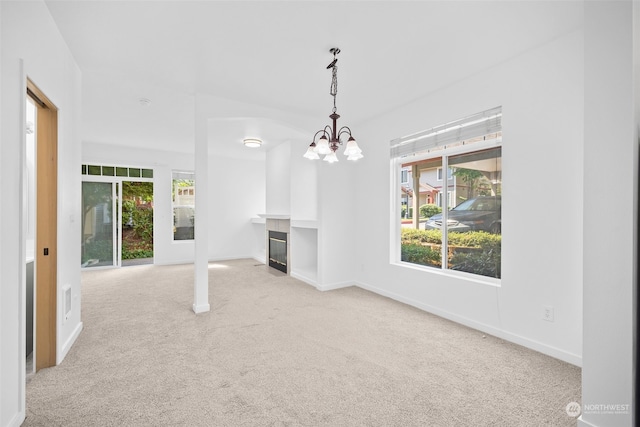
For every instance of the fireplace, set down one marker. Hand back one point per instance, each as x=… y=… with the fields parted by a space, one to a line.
x=278 y=250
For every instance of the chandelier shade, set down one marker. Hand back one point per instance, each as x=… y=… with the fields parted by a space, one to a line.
x=330 y=136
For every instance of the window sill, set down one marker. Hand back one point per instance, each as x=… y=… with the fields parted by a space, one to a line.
x=469 y=277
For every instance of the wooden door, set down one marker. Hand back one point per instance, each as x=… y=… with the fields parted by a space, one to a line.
x=46 y=245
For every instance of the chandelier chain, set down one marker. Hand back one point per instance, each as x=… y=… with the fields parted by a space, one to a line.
x=334 y=86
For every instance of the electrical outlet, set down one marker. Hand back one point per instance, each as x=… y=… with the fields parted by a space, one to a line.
x=547 y=313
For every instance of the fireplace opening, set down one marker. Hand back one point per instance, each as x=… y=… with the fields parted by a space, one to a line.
x=278 y=250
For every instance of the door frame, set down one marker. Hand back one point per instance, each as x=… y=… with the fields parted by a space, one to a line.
x=116 y=201
x=46 y=229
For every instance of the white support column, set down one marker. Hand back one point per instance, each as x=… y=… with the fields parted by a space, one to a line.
x=201 y=265
x=610 y=249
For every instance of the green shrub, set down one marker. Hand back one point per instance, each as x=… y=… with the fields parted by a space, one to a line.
x=143 y=223
x=136 y=253
x=429 y=210
x=128 y=206
x=98 y=249
x=418 y=254
x=412 y=236
x=476 y=239
x=484 y=263
x=475 y=252
x=470 y=239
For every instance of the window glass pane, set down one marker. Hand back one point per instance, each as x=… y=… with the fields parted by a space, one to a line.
x=95 y=170
x=147 y=173
x=474 y=225
x=97 y=224
x=84 y=169
x=473 y=195
x=108 y=171
x=184 y=205
x=134 y=172
x=122 y=172
x=418 y=245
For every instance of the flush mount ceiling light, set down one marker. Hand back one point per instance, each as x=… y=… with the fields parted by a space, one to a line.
x=252 y=142
x=330 y=136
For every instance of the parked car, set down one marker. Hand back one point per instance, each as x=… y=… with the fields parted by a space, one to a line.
x=481 y=213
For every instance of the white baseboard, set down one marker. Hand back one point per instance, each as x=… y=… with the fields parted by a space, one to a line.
x=315 y=284
x=574 y=359
x=333 y=286
x=231 y=258
x=69 y=343
x=221 y=259
x=303 y=278
x=174 y=262
x=17 y=419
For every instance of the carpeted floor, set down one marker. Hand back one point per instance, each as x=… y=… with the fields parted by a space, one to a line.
x=274 y=351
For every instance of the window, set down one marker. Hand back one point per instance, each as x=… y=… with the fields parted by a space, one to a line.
x=460 y=233
x=116 y=171
x=403 y=176
x=183 y=199
x=449 y=174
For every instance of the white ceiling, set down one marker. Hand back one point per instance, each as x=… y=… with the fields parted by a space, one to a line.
x=262 y=64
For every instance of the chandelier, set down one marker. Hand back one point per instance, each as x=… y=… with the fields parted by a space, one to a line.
x=330 y=136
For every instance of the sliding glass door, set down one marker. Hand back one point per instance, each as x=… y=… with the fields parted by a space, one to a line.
x=99 y=219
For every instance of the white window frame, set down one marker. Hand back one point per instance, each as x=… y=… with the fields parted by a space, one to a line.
x=395 y=225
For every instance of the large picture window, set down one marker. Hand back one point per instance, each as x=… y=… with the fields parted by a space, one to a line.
x=183 y=198
x=452 y=224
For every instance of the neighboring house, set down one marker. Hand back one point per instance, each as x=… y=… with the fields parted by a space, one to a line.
x=432 y=187
x=185 y=195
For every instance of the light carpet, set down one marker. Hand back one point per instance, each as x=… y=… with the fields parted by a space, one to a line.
x=274 y=351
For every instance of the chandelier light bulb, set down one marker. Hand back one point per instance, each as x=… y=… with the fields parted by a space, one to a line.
x=354 y=157
x=323 y=145
x=311 y=152
x=352 y=147
x=331 y=157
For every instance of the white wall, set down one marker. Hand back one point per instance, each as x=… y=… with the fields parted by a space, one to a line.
x=303 y=184
x=337 y=215
x=541 y=96
x=28 y=33
x=237 y=194
x=278 y=179
x=610 y=248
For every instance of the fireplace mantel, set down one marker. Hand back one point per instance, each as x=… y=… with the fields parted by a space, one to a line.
x=275 y=216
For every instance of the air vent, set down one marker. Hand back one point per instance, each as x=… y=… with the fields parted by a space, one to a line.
x=67 y=301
